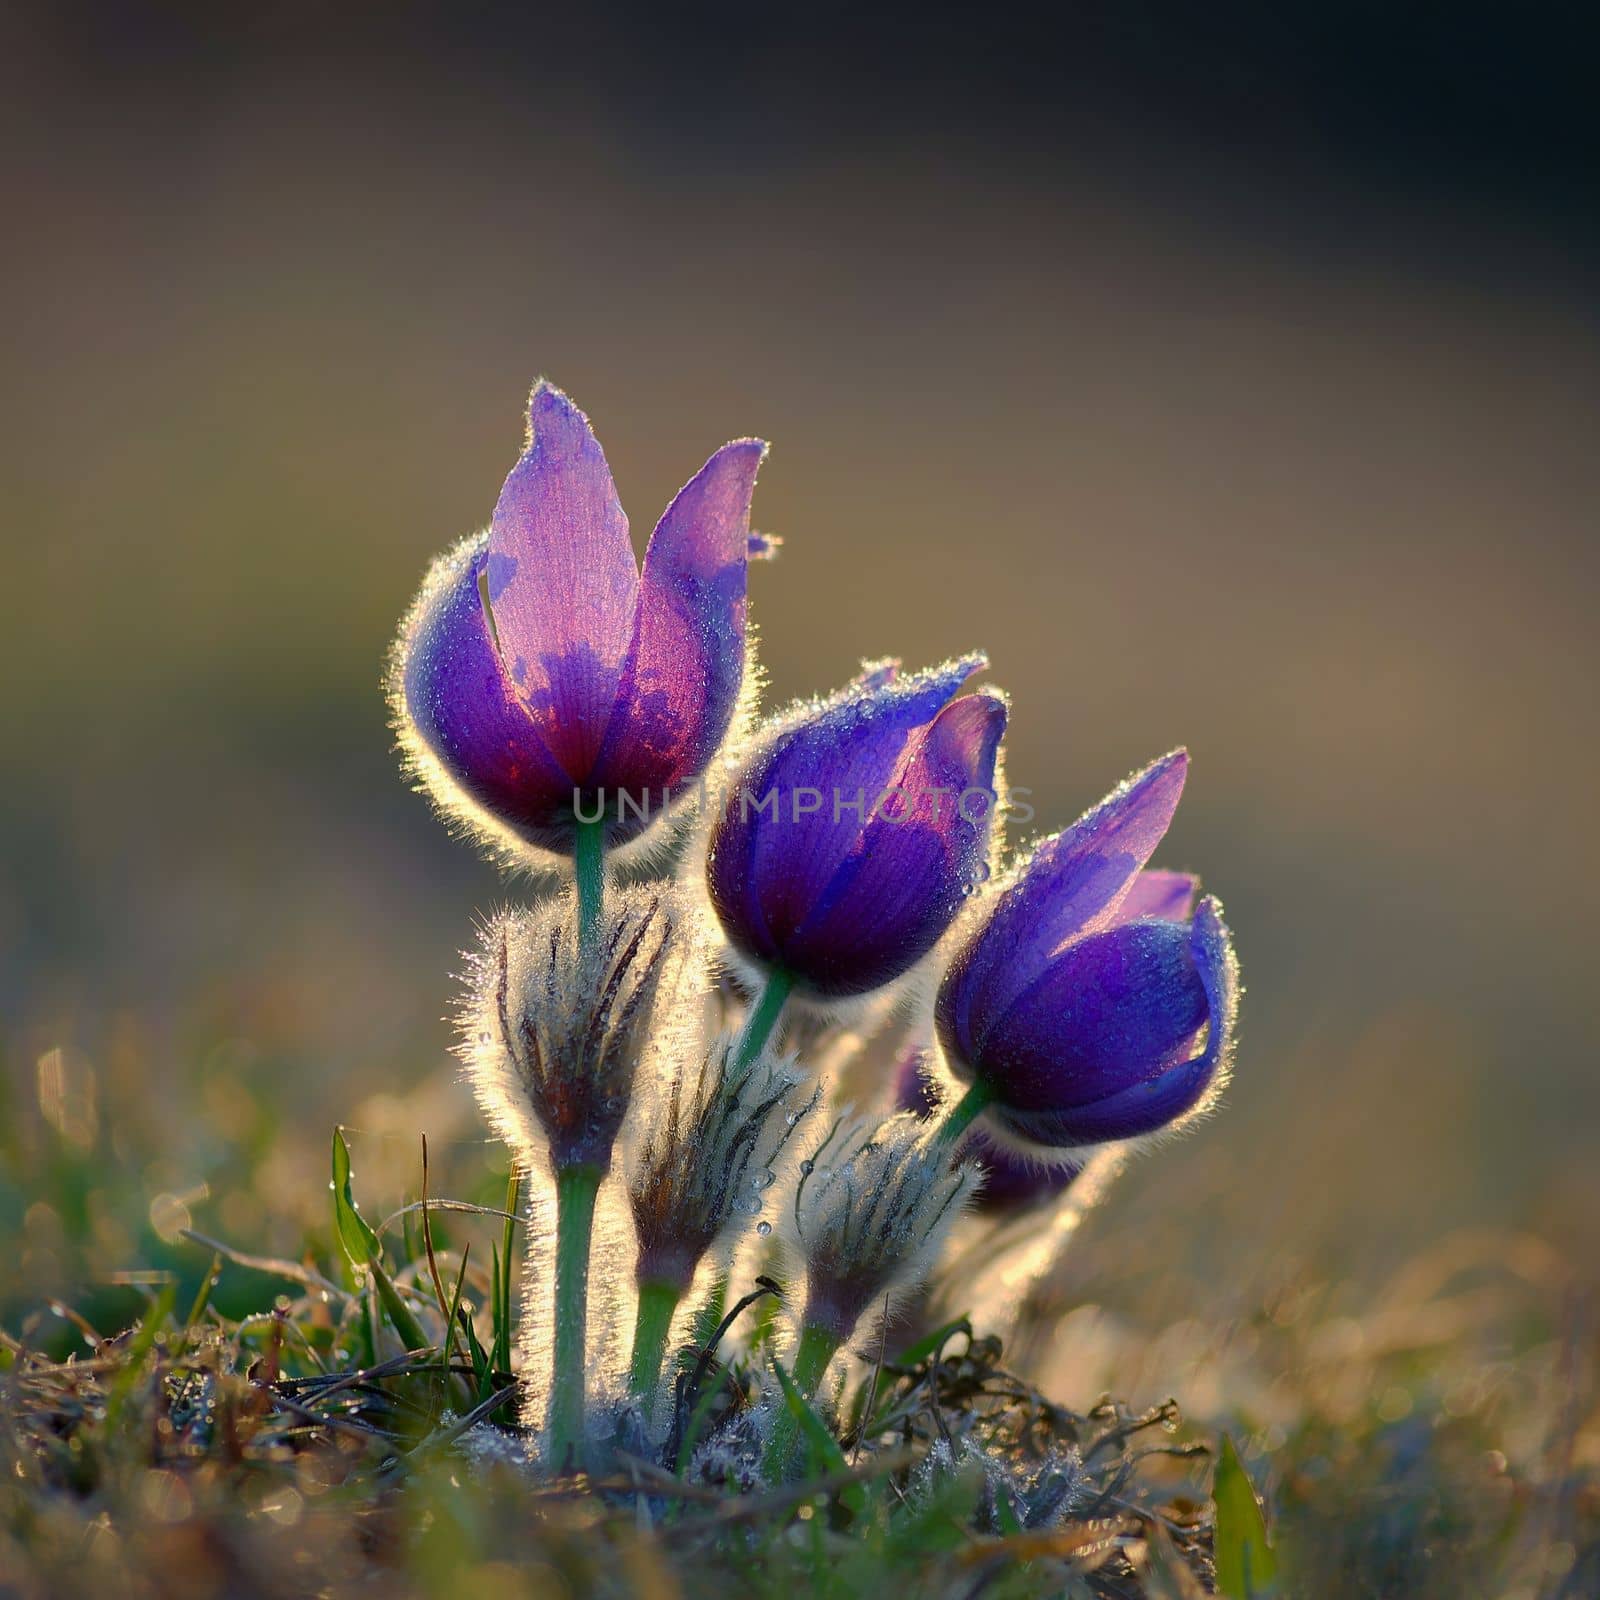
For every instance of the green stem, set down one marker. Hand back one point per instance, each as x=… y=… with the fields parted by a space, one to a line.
x=763 y=1018
x=657 y=1302
x=576 y=1191
x=966 y=1111
x=816 y=1349
x=589 y=868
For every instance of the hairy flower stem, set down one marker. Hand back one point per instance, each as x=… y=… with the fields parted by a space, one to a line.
x=589 y=868
x=966 y=1112
x=657 y=1302
x=818 y=1346
x=576 y=1191
x=763 y=1018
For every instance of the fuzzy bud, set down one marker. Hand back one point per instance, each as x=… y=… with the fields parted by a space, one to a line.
x=553 y=1035
x=700 y=1175
x=871 y=1208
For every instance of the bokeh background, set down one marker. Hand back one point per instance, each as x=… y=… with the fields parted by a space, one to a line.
x=1229 y=375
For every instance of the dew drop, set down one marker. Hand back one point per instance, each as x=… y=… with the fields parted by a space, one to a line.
x=763 y=1228
x=808 y=1167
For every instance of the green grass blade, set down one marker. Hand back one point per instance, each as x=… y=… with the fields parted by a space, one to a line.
x=399 y=1313
x=139 y=1348
x=1247 y=1565
x=359 y=1241
x=826 y=1455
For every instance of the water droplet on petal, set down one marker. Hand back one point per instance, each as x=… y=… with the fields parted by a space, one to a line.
x=763 y=1228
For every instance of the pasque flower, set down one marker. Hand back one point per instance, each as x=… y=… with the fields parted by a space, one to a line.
x=1088 y=1006
x=855 y=831
x=552 y=696
x=539 y=677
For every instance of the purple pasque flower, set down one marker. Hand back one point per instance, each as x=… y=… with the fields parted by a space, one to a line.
x=540 y=677
x=1088 y=1003
x=856 y=830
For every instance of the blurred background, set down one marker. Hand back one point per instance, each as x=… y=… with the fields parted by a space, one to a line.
x=1230 y=375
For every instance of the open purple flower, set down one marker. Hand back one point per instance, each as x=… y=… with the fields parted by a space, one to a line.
x=540 y=678
x=1088 y=1006
x=855 y=832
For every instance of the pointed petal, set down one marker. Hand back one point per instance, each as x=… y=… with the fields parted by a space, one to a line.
x=890 y=901
x=875 y=674
x=1078 y=877
x=681 y=680
x=1072 y=885
x=1166 y=895
x=563 y=584
x=463 y=710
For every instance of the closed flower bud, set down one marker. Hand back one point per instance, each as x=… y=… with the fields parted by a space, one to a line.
x=540 y=679
x=553 y=1034
x=1087 y=1006
x=856 y=830
x=870 y=1209
x=709 y=1159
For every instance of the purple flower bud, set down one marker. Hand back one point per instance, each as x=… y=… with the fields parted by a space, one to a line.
x=855 y=832
x=1087 y=1003
x=540 y=677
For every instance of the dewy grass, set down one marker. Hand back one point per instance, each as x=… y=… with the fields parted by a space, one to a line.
x=258 y=1431
x=270 y=1441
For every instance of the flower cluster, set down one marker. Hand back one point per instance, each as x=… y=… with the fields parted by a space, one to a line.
x=564 y=707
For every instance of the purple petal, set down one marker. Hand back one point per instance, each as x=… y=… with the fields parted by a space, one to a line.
x=681 y=679
x=1109 y=1011
x=914 y=1089
x=464 y=710
x=1071 y=885
x=563 y=583
x=876 y=674
x=1179 y=1088
x=1168 y=896
x=772 y=857
x=1010 y=1180
x=890 y=902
